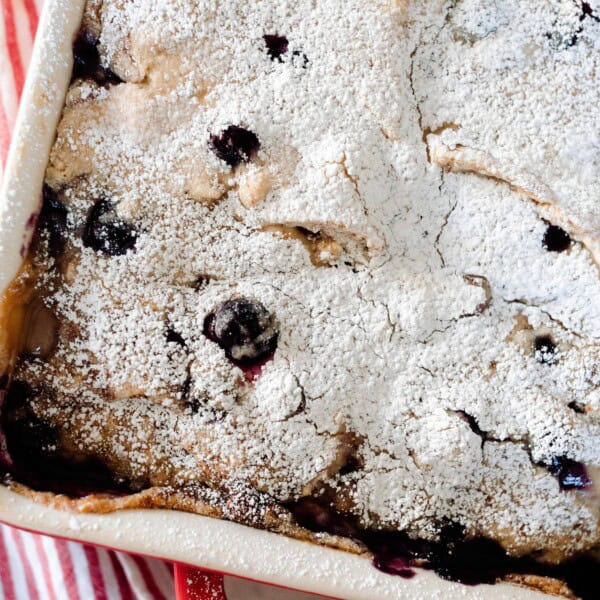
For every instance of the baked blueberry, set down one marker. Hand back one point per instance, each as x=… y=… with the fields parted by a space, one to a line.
x=86 y=60
x=235 y=145
x=576 y=407
x=299 y=59
x=175 y=337
x=556 y=239
x=33 y=454
x=53 y=219
x=245 y=329
x=545 y=349
x=105 y=232
x=277 y=46
x=28 y=439
x=571 y=475
x=588 y=11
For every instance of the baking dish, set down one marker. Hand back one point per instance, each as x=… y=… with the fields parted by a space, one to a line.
x=174 y=536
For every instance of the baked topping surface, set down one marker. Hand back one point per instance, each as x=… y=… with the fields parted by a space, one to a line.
x=335 y=249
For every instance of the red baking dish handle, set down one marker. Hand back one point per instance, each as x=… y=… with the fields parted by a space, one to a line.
x=193 y=584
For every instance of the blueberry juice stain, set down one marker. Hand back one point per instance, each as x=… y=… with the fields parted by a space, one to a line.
x=30 y=452
x=454 y=556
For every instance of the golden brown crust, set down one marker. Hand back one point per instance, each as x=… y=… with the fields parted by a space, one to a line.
x=274 y=519
x=546 y=585
x=193 y=500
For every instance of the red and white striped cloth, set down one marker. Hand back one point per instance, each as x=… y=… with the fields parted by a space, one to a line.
x=36 y=567
x=32 y=566
x=18 y=23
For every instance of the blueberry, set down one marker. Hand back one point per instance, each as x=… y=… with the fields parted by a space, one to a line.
x=588 y=11
x=175 y=337
x=299 y=59
x=86 y=60
x=245 y=329
x=27 y=438
x=105 y=232
x=576 y=407
x=53 y=219
x=545 y=349
x=277 y=46
x=34 y=455
x=571 y=475
x=556 y=239
x=235 y=145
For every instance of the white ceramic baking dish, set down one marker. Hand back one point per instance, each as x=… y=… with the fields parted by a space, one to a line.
x=175 y=536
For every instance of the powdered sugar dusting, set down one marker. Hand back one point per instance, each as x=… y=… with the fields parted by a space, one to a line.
x=436 y=286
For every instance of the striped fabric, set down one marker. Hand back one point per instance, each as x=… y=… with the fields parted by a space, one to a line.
x=37 y=567
x=18 y=22
x=32 y=566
